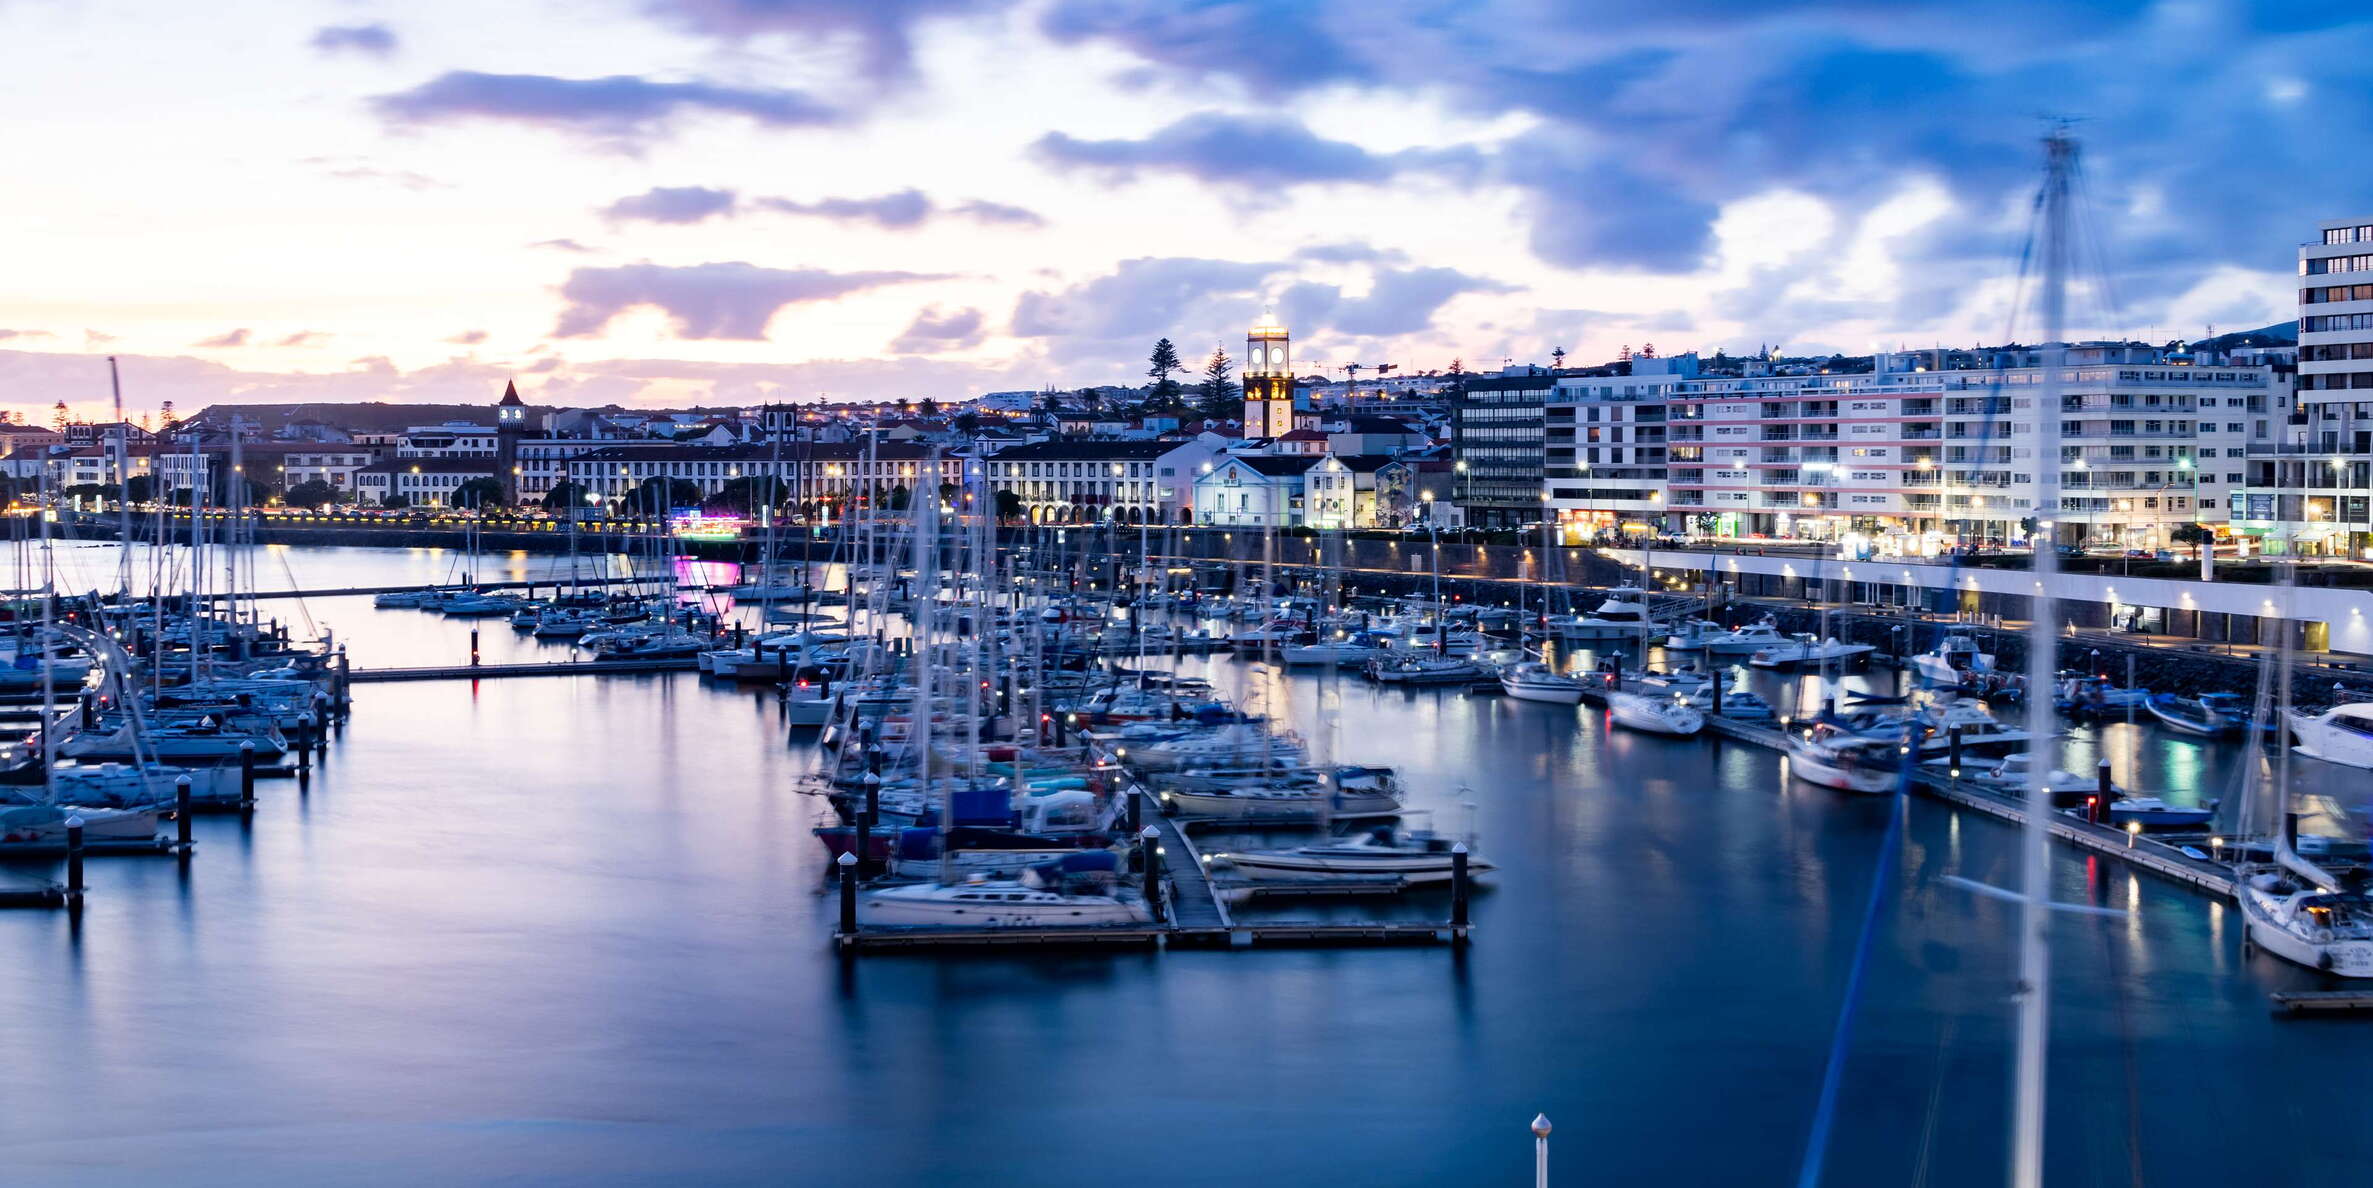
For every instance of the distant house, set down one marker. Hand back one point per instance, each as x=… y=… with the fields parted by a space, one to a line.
x=1252 y=490
x=1340 y=492
x=422 y=481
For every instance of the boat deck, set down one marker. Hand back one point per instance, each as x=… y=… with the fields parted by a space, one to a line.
x=2303 y=1002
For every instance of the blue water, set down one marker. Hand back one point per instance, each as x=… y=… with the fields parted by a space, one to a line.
x=569 y=931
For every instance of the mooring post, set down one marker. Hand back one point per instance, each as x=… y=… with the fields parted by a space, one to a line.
x=2102 y=791
x=73 y=858
x=1716 y=687
x=867 y=816
x=473 y=647
x=90 y=711
x=1458 y=892
x=2290 y=831
x=848 y=897
x=1149 y=844
x=246 y=774
x=1137 y=810
x=181 y=813
x=1953 y=752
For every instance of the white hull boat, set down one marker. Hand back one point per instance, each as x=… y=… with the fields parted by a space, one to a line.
x=1654 y=715
x=2343 y=734
x=2305 y=924
x=993 y=903
x=1533 y=681
x=1415 y=857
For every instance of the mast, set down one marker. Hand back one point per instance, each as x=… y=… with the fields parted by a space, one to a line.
x=2043 y=645
x=123 y=487
x=925 y=525
x=49 y=688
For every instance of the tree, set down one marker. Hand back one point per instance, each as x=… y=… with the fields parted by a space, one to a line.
x=2193 y=534
x=396 y=499
x=91 y=491
x=1161 y=365
x=1091 y=399
x=968 y=422
x=141 y=488
x=478 y=493
x=898 y=498
x=564 y=498
x=658 y=494
x=749 y=493
x=1218 y=397
x=311 y=493
x=929 y=407
x=1009 y=504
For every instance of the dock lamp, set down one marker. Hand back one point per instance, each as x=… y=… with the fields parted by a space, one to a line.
x=1540 y=1151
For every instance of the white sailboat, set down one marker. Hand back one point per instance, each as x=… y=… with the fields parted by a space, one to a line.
x=1532 y=680
x=1654 y=715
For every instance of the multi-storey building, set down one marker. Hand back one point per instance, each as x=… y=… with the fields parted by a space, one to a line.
x=1497 y=447
x=1253 y=491
x=2144 y=447
x=2311 y=490
x=1129 y=481
x=822 y=481
x=1604 y=448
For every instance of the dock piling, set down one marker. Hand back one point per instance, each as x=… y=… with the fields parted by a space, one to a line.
x=867 y=816
x=848 y=896
x=1149 y=843
x=2103 y=790
x=473 y=647
x=181 y=813
x=73 y=859
x=246 y=775
x=1953 y=752
x=1458 y=893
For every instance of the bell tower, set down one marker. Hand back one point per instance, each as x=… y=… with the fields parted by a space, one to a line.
x=1268 y=379
x=510 y=424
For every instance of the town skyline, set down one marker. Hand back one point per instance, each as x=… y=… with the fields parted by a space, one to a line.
x=627 y=207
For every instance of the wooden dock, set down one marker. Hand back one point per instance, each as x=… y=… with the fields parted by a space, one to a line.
x=477 y=672
x=2321 y=1002
x=374 y=591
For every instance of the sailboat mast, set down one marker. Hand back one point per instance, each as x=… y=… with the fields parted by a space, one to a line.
x=2043 y=647
x=123 y=487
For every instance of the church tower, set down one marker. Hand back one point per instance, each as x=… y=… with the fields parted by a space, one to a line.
x=1268 y=380
x=510 y=424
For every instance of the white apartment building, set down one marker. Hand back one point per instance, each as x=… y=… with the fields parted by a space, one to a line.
x=453 y=439
x=1949 y=456
x=2312 y=489
x=824 y=481
x=1603 y=440
x=1133 y=482
x=333 y=464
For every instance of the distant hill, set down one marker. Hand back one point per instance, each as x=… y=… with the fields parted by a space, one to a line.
x=2279 y=334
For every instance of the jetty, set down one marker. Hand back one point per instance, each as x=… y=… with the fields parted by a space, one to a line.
x=476 y=672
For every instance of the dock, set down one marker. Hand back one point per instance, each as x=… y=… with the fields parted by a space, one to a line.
x=2317 y=1002
x=476 y=672
x=374 y=591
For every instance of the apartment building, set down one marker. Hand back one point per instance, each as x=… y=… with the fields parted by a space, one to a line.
x=1603 y=441
x=1498 y=447
x=2311 y=489
x=1129 y=481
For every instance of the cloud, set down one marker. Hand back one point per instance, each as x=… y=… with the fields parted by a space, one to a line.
x=1181 y=297
x=228 y=338
x=303 y=338
x=672 y=204
x=468 y=338
x=96 y=338
x=8 y=334
x=934 y=331
x=1351 y=253
x=716 y=300
x=881 y=29
x=902 y=210
x=621 y=110
x=998 y=212
x=377 y=41
x=404 y=178
x=906 y=208
x=560 y=245
x=1239 y=151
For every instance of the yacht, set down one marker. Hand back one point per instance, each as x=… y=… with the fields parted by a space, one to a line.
x=996 y=903
x=2011 y=776
x=1623 y=615
x=1835 y=757
x=1416 y=668
x=1418 y=856
x=1808 y=650
x=2342 y=734
x=1953 y=660
x=1981 y=732
x=2088 y=695
x=1535 y=681
x=1313 y=800
x=2303 y=921
x=44 y=825
x=1655 y=715
x=2209 y=716
x=1739 y=704
x=1711 y=639
x=1352 y=652
x=1230 y=744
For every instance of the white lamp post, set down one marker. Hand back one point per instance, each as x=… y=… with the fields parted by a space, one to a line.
x=1540 y=1151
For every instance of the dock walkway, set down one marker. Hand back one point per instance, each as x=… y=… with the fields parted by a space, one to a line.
x=474 y=672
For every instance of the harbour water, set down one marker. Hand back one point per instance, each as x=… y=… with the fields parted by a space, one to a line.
x=570 y=931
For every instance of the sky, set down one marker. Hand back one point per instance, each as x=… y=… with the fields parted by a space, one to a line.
x=666 y=202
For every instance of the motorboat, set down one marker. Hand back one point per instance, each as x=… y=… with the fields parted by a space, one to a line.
x=402 y=598
x=1834 y=756
x=1238 y=744
x=204 y=738
x=1352 y=652
x=1953 y=661
x=1624 y=615
x=480 y=606
x=2198 y=716
x=1702 y=636
x=1807 y=650
x=1416 y=855
x=1419 y=669
x=1979 y=731
x=2150 y=812
x=2010 y=776
x=2342 y=734
x=1654 y=715
x=131 y=785
x=1739 y=704
x=1296 y=800
x=45 y=825
x=2307 y=921
x=2094 y=695
x=998 y=903
x=1684 y=683
x=562 y=623
x=1534 y=681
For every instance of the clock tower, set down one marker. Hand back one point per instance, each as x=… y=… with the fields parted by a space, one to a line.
x=510 y=424
x=1268 y=380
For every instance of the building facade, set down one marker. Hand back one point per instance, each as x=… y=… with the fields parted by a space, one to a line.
x=1271 y=403
x=2311 y=489
x=1253 y=491
x=1136 y=482
x=1498 y=448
